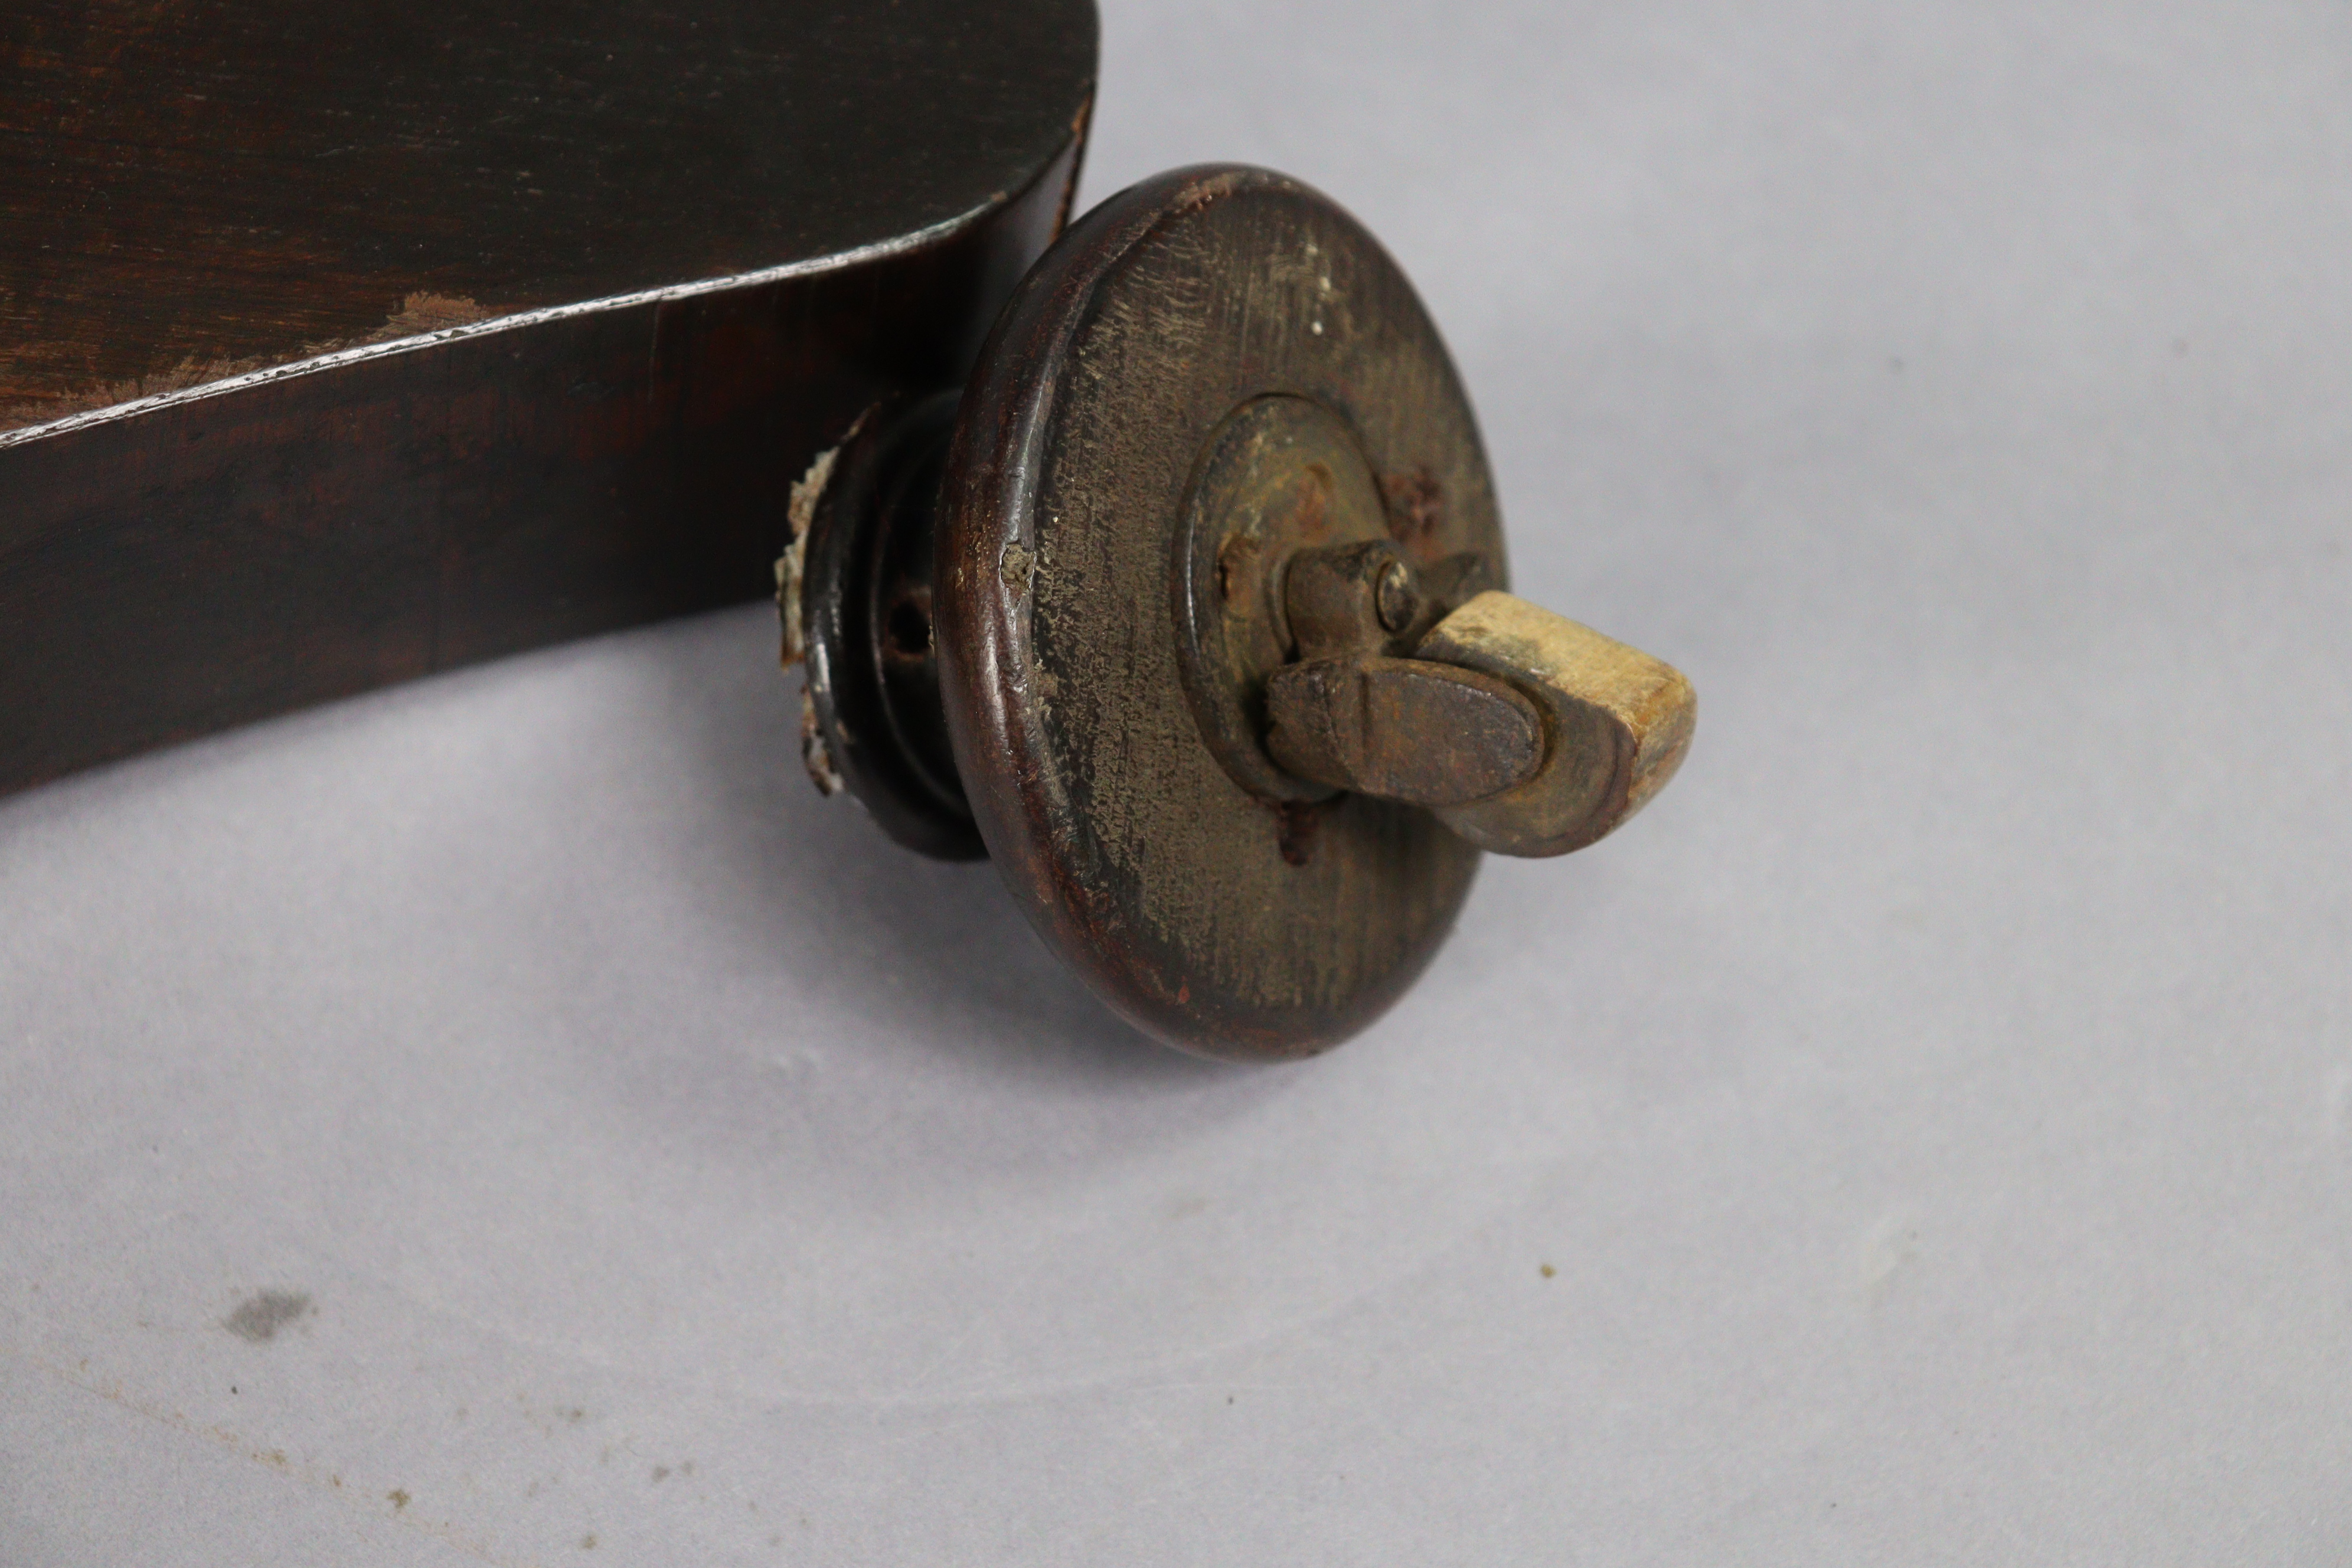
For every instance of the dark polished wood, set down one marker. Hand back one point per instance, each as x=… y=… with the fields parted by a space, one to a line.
x=1222 y=916
x=196 y=188
x=343 y=343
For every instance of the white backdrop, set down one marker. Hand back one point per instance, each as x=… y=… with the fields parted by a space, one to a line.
x=513 y=1117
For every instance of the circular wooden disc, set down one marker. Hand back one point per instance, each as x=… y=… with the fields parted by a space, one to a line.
x=1218 y=918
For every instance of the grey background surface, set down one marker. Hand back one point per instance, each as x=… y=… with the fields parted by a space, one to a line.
x=1925 y=1136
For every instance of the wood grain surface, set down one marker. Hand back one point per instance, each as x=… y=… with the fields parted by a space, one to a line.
x=195 y=188
x=1220 y=919
x=601 y=281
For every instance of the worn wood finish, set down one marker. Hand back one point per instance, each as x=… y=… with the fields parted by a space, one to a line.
x=341 y=344
x=1217 y=917
x=196 y=187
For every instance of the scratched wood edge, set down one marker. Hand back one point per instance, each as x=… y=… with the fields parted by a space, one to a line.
x=196 y=192
x=213 y=555
x=418 y=310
